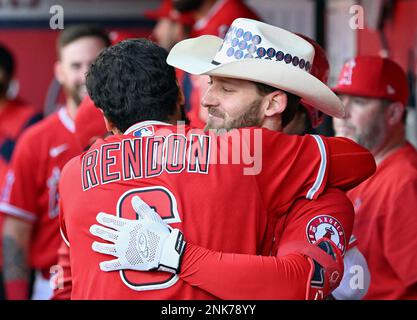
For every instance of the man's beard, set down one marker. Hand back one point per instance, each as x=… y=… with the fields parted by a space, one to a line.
x=248 y=119
x=75 y=93
x=187 y=5
x=373 y=135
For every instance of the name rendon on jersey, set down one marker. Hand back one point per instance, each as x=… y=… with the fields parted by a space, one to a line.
x=128 y=159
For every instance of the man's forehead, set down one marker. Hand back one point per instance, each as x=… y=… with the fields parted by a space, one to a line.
x=232 y=81
x=81 y=47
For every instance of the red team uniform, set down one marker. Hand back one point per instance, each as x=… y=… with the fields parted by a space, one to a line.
x=386 y=224
x=177 y=173
x=32 y=192
x=15 y=117
x=330 y=216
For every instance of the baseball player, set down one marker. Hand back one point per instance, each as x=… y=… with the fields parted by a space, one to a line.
x=212 y=205
x=31 y=230
x=330 y=217
x=15 y=117
x=304 y=122
x=375 y=92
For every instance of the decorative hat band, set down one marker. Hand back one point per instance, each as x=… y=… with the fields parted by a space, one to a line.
x=240 y=44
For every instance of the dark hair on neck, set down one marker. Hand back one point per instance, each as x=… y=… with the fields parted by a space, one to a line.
x=293 y=102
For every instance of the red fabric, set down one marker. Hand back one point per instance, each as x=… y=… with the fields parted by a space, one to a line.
x=36 y=166
x=350 y=164
x=386 y=224
x=221 y=16
x=286 y=275
x=89 y=123
x=14 y=118
x=204 y=196
x=62 y=281
x=166 y=10
x=17 y=290
x=388 y=80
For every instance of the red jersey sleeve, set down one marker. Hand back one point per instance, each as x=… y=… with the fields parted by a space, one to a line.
x=350 y=163
x=285 y=276
x=239 y=276
x=292 y=167
x=330 y=216
x=22 y=184
x=399 y=237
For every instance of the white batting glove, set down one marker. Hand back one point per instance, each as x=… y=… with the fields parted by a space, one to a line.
x=144 y=244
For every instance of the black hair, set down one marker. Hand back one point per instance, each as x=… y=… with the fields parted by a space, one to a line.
x=293 y=102
x=131 y=82
x=6 y=62
x=78 y=31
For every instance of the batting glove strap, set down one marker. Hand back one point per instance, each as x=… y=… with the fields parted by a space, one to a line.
x=171 y=255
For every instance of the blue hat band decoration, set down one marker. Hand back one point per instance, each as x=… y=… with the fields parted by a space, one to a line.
x=243 y=44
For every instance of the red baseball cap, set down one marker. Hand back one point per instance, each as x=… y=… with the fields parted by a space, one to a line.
x=374 y=77
x=320 y=69
x=118 y=36
x=166 y=10
x=89 y=123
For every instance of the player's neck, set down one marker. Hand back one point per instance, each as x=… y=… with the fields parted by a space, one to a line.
x=394 y=141
x=71 y=107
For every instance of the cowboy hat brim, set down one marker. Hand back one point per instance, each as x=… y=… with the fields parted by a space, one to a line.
x=195 y=56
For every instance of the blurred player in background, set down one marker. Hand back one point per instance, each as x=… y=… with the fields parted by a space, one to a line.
x=171 y=25
x=15 y=117
x=31 y=233
x=375 y=93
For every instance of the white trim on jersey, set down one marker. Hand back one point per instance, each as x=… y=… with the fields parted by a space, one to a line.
x=63 y=238
x=142 y=124
x=66 y=120
x=17 y=212
x=323 y=165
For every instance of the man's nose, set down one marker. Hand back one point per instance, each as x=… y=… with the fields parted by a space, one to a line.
x=209 y=99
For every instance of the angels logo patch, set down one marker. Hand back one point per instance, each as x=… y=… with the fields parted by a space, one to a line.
x=325 y=226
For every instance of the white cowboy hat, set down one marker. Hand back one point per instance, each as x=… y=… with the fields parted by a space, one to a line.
x=259 y=52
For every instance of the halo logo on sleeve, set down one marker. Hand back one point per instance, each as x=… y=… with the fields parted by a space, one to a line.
x=325 y=226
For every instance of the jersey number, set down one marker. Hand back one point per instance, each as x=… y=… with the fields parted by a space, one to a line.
x=165 y=204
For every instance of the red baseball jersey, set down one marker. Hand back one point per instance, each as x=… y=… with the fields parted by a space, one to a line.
x=285 y=275
x=188 y=176
x=15 y=117
x=218 y=20
x=386 y=224
x=31 y=193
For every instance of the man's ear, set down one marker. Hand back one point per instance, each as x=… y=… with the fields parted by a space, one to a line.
x=395 y=113
x=275 y=103
x=58 y=72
